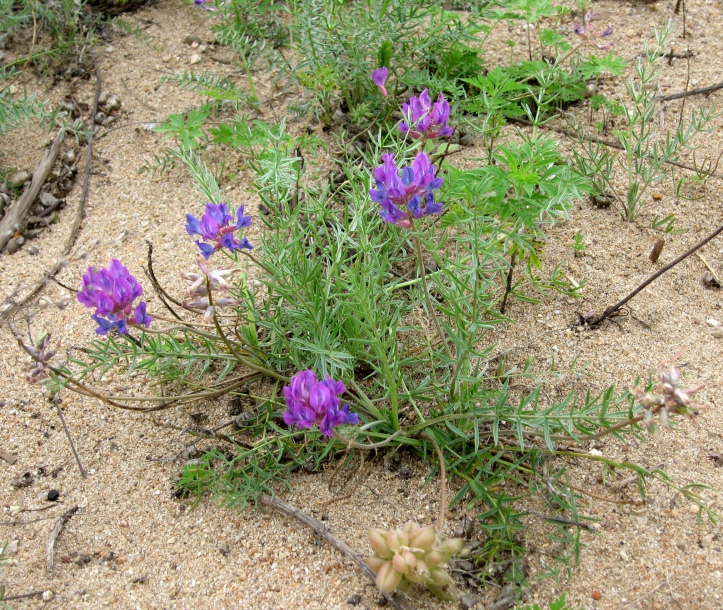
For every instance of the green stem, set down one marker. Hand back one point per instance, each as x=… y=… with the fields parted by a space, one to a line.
x=432 y=313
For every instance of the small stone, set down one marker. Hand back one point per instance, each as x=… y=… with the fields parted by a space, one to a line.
x=110 y=48
x=624 y=555
x=466 y=140
x=166 y=59
x=19 y=179
x=109 y=120
x=100 y=117
x=53 y=495
x=47 y=199
x=468 y=601
x=693 y=509
x=103 y=98
x=717 y=333
x=69 y=156
x=354 y=600
x=14 y=245
x=195 y=59
x=13 y=546
x=113 y=103
x=657 y=196
x=631 y=33
x=189 y=40
x=13 y=89
x=202 y=48
x=710 y=281
x=2 y=58
x=596 y=595
x=712 y=322
x=15 y=510
x=47 y=596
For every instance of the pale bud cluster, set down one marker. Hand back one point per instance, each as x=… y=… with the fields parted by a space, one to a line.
x=665 y=399
x=37 y=364
x=412 y=554
x=199 y=283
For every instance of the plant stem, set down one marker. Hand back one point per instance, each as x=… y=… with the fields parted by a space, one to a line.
x=432 y=314
x=442 y=483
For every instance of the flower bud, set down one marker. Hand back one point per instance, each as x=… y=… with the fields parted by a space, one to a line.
x=388 y=578
x=424 y=539
x=664 y=418
x=378 y=540
x=681 y=398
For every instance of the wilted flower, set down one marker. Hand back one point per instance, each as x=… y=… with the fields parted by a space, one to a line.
x=667 y=397
x=40 y=355
x=379 y=76
x=424 y=119
x=112 y=292
x=408 y=194
x=198 y=284
x=588 y=33
x=412 y=554
x=217 y=226
x=203 y=3
x=311 y=402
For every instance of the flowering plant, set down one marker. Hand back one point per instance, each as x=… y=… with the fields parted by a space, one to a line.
x=424 y=119
x=406 y=195
x=216 y=225
x=312 y=402
x=112 y=292
x=588 y=32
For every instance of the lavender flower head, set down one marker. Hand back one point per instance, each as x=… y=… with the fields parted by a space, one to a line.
x=588 y=33
x=311 y=402
x=668 y=397
x=379 y=76
x=409 y=195
x=424 y=119
x=217 y=226
x=112 y=292
x=202 y=4
x=40 y=355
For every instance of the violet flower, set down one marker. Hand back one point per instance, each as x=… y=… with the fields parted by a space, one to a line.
x=217 y=226
x=409 y=195
x=588 y=33
x=379 y=76
x=424 y=119
x=312 y=402
x=112 y=292
x=202 y=4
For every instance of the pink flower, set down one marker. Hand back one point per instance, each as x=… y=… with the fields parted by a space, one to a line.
x=379 y=76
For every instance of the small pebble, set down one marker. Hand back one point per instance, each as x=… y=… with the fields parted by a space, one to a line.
x=13 y=546
x=468 y=601
x=13 y=89
x=19 y=179
x=47 y=596
x=113 y=103
x=712 y=322
x=596 y=595
x=354 y=600
x=53 y=495
x=657 y=196
x=14 y=245
x=466 y=140
x=717 y=333
x=195 y=59
x=110 y=48
x=189 y=40
x=693 y=509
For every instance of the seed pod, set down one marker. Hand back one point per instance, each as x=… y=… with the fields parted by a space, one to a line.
x=440 y=577
x=393 y=542
x=388 y=578
x=401 y=563
x=378 y=540
x=433 y=559
x=450 y=547
x=375 y=563
x=664 y=418
x=424 y=539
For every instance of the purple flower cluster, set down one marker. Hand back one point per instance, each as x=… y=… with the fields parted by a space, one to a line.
x=217 y=226
x=424 y=119
x=588 y=33
x=112 y=292
x=40 y=355
x=408 y=194
x=311 y=402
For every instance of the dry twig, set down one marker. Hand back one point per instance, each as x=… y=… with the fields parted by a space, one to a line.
x=54 y=536
x=319 y=528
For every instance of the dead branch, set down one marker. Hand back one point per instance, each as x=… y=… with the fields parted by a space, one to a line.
x=17 y=211
x=320 y=529
x=54 y=536
x=700 y=91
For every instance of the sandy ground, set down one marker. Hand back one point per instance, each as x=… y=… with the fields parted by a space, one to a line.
x=133 y=545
